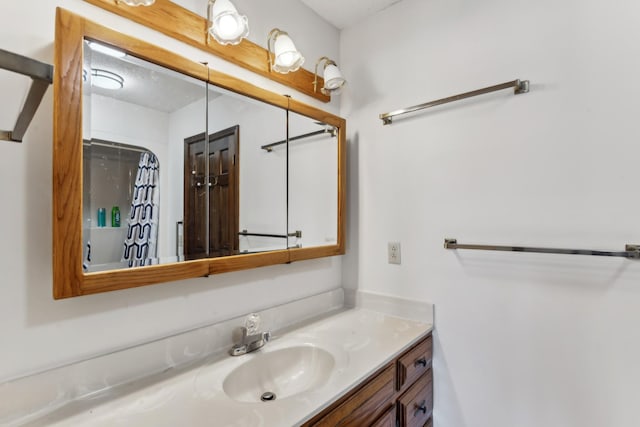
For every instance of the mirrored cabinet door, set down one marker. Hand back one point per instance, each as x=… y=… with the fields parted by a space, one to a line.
x=313 y=182
x=156 y=189
x=136 y=117
x=260 y=199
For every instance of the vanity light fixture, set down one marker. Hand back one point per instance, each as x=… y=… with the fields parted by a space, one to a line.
x=333 y=80
x=106 y=79
x=137 y=2
x=225 y=24
x=284 y=57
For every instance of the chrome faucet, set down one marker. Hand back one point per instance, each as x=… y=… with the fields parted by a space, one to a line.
x=250 y=343
x=252 y=338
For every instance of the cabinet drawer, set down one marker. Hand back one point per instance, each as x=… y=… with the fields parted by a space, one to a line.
x=388 y=419
x=414 y=363
x=416 y=404
x=366 y=405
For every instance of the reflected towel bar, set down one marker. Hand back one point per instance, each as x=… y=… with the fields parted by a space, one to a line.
x=42 y=76
x=631 y=251
x=519 y=86
x=297 y=233
x=330 y=130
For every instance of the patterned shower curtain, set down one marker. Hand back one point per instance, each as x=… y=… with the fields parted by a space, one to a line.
x=140 y=245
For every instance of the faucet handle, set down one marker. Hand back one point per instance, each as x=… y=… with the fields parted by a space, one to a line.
x=252 y=323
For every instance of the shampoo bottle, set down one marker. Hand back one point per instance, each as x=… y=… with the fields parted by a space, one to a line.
x=102 y=217
x=115 y=216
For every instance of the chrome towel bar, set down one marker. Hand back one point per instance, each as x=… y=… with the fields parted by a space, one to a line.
x=331 y=130
x=631 y=251
x=42 y=76
x=297 y=233
x=519 y=86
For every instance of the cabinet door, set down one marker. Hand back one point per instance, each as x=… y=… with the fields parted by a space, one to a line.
x=415 y=406
x=365 y=406
x=388 y=419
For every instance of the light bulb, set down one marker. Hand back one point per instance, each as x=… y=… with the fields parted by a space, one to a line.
x=227 y=26
x=286 y=58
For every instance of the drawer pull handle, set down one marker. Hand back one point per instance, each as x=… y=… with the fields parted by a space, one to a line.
x=420 y=362
x=420 y=407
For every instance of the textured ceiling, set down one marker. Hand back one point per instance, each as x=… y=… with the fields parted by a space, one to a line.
x=346 y=13
x=147 y=84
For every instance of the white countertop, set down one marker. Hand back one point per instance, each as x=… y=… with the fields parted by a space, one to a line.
x=360 y=340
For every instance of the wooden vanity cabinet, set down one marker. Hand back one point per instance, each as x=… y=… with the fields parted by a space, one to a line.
x=398 y=395
x=388 y=419
x=416 y=404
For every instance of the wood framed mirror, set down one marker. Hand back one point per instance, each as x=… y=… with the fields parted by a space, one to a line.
x=218 y=211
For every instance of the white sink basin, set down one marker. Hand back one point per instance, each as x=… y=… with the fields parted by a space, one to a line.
x=284 y=372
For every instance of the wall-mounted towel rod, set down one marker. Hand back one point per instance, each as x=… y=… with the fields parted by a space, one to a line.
x=519 y=86
x=631 y=251
x=330 y=130
x=42 y=76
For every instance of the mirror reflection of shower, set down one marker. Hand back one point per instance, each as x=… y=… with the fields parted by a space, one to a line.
x=129 y=130
x=115 y=236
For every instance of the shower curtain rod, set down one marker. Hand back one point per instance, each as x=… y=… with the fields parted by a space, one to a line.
x=519 y=86
x=631 y=251
x=269 y=147
x=41 y=75
x=114 y=145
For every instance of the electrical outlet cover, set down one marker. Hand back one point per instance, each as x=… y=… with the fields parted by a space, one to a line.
x=394 y=252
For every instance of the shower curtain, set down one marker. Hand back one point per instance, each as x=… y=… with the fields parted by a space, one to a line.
x=140 y=245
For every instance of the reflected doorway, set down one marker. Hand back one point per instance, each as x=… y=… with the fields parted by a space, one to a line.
x=211 y=205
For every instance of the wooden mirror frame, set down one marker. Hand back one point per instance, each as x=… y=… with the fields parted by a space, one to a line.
x=69 y=279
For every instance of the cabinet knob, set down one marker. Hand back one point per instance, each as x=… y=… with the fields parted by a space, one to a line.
x=420 y=407
x=420 y=362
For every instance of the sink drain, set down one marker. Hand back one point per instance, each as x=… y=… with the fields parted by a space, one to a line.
x=268 y=396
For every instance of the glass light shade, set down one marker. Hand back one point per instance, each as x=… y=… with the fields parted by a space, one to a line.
x=106 y=79
x=287 y=57
x=226 y=25
x=333 y=80
x=138 y=2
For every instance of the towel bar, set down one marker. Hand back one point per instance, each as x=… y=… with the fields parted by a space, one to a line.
x=631 y=251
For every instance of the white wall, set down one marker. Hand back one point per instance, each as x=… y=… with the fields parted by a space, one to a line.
x=522 y=339
x=37 y=332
